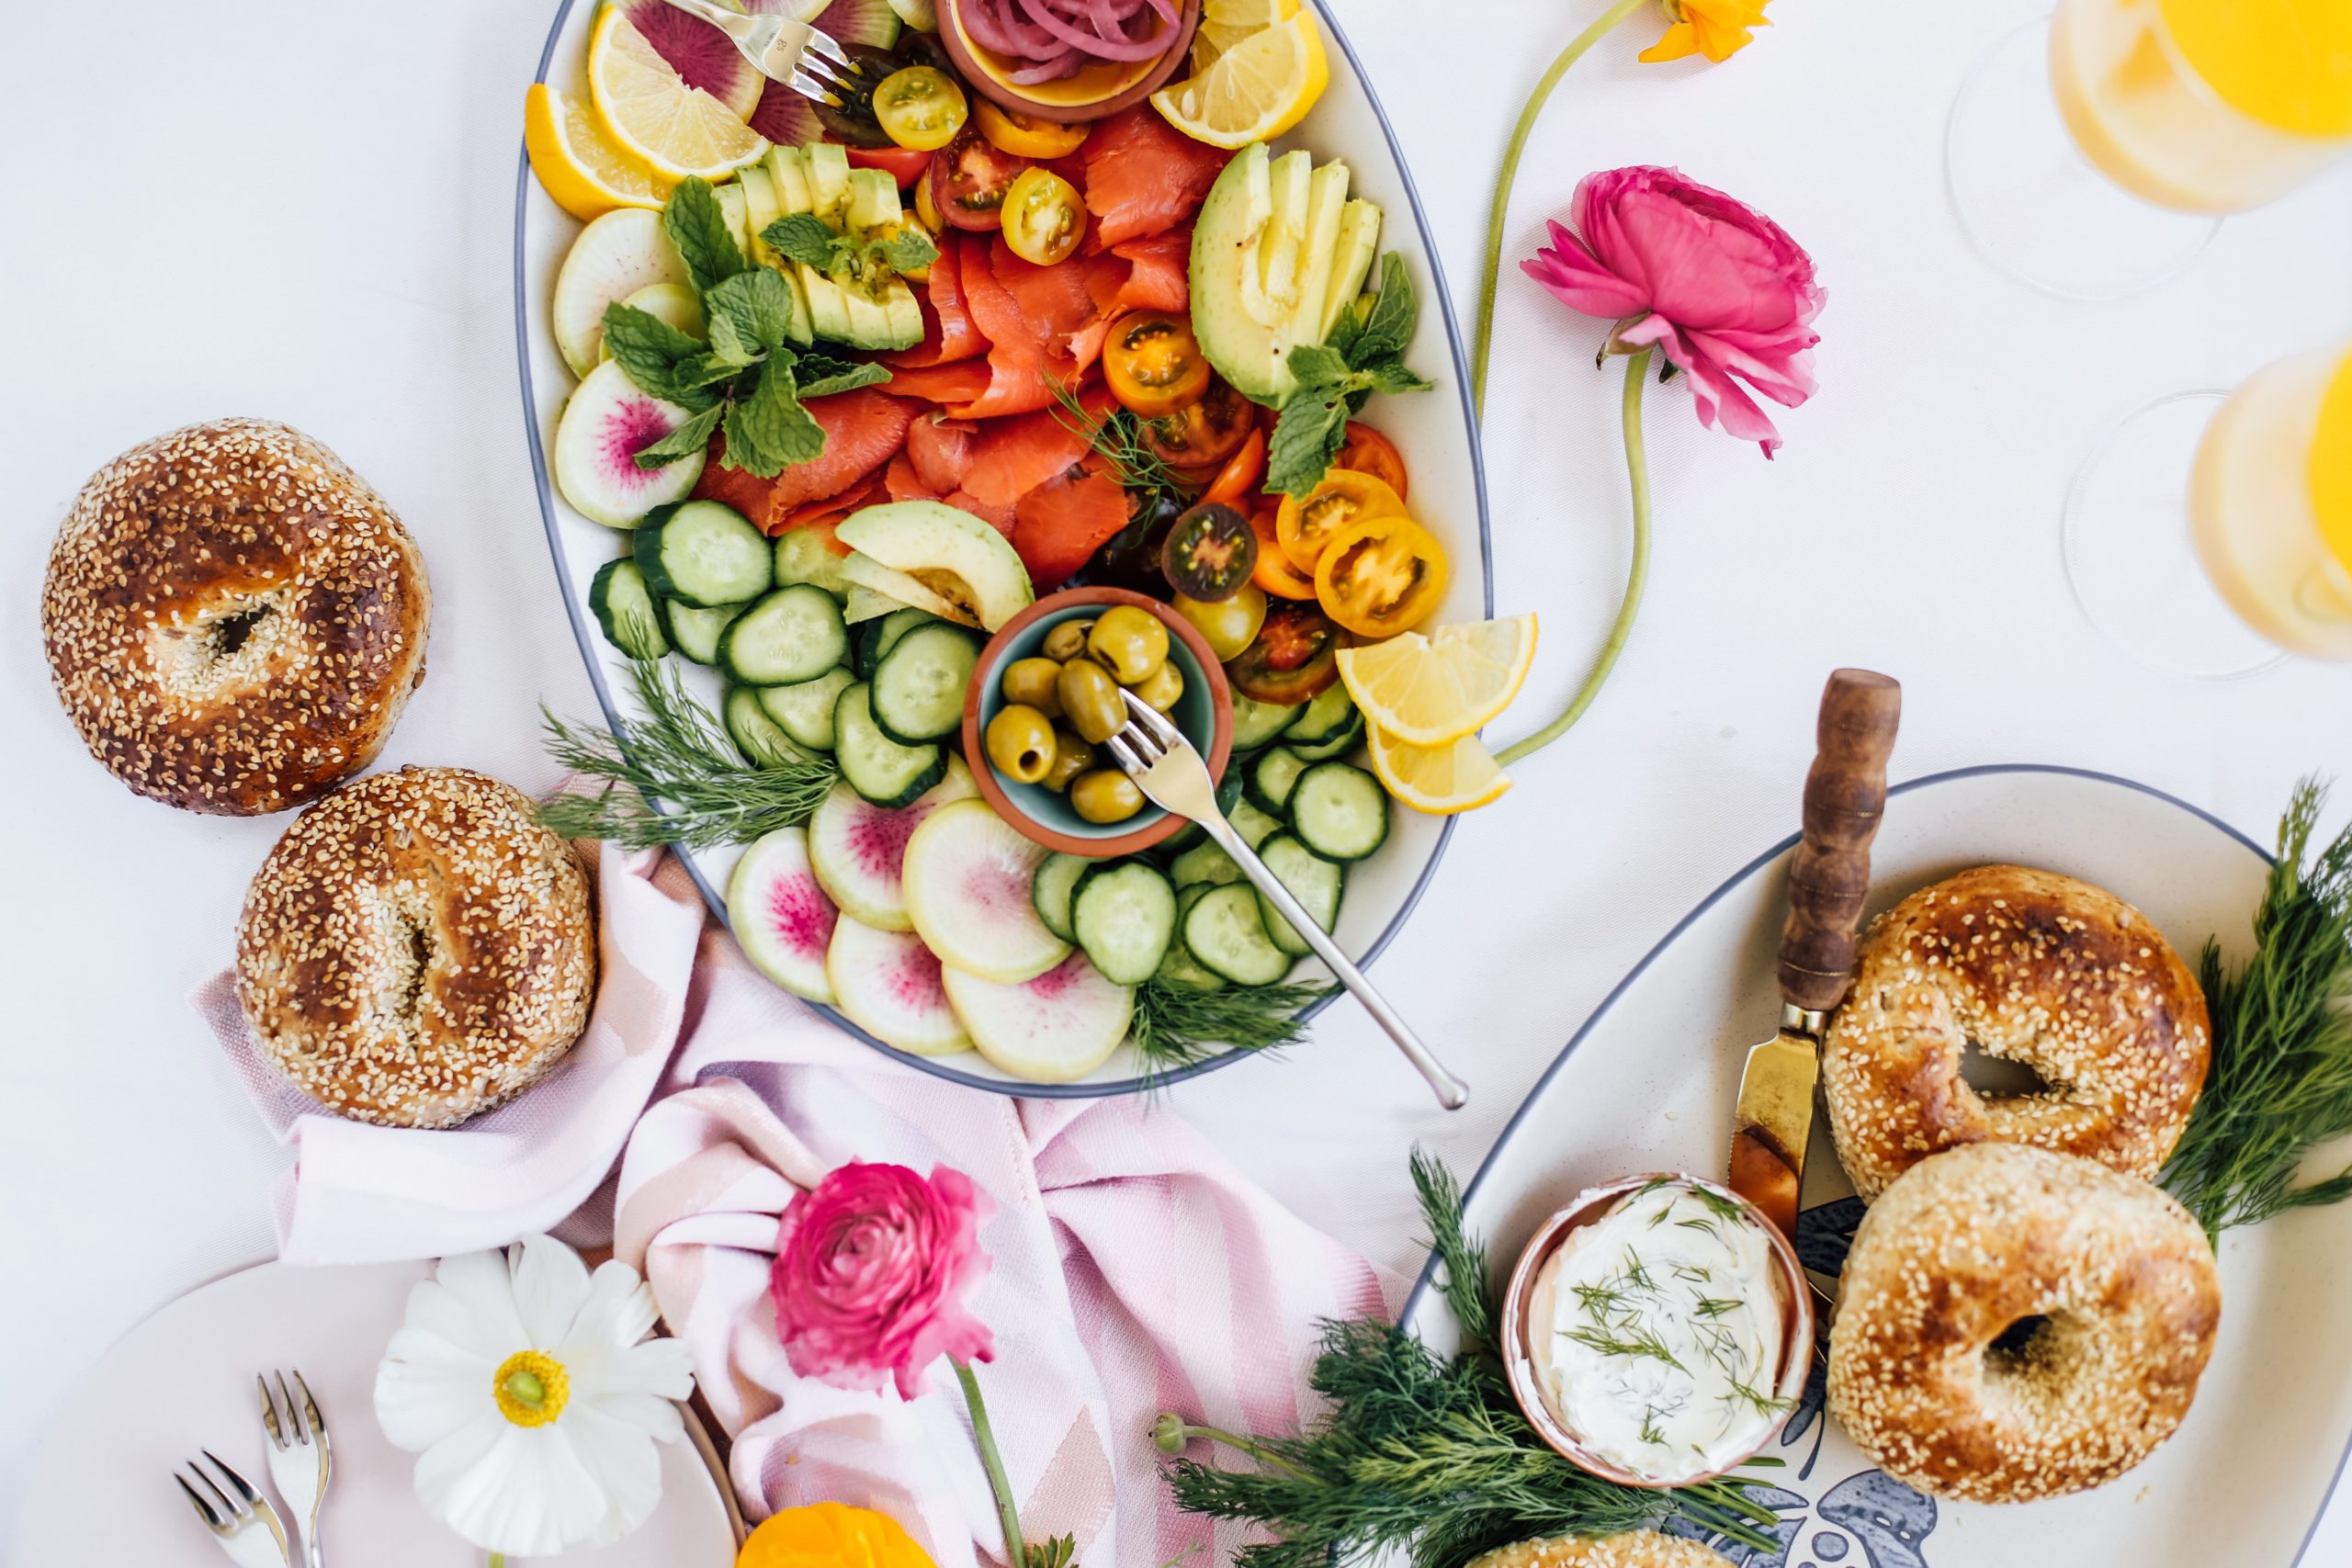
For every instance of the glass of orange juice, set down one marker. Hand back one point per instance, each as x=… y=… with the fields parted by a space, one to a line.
x=2211 y=535
x=2093 y=154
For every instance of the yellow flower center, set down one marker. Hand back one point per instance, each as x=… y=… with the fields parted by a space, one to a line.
x=531 y=1387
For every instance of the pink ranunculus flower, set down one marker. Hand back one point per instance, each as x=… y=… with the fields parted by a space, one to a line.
x=871 y=1268
x=1719 y=288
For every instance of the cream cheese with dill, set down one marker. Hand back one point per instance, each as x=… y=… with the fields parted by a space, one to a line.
x=1655 y=1333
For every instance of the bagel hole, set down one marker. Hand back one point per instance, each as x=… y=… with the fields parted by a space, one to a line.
x=2014 y=1343
x=419 y=962
x=1998 y=1078
x=231 y=632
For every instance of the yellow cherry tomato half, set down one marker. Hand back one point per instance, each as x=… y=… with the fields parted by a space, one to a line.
x=919 y=107
x=1043 y=217
x=1025 y=136
x=1344 y=499
x=1379 y=576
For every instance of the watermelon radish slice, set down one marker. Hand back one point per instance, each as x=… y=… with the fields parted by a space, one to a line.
x=614 y=257
x=780 y=916
x=701 y=55
x=604 y=426
x=871 y=22
x=887 y=983
x=966 y=881
x=787 y=119
x=1056 y=1027
x=858 y=850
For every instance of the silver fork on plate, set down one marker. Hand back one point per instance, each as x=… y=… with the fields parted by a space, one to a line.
x=299 y=1456
x=783 y=49
x=1169 y=771
x=240 y=1518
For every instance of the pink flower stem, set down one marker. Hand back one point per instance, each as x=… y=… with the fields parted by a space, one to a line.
x=1015 y=1551
x=1638 y=474
x=1500 y=209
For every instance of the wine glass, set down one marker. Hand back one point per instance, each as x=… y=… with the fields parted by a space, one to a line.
x=2093 y=154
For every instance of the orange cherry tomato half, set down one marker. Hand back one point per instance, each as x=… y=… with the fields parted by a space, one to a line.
x=1366 y=451
x=1236 y=481
x=1043 y=217
x=1154 y=364
x=1273 y=571
x=1379 y=576
x=1024 y=136
x=1196 y=439
x=1344 y=497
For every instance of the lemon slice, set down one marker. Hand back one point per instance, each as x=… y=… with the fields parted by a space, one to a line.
x=1439 y=780
x=1225 y=23
x=1258 y=85
x=581 y=169
x=650 y=112
x=1429 y=691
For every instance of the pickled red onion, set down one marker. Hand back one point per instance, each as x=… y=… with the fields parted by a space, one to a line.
x=1055 y=38
x=1116 y=47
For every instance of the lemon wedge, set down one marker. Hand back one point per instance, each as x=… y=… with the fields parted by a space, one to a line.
x=1225 y=23
x=647 y=110
x=1438 y=780
x=581 y=169
x=1432 y=690
x=1249 y=82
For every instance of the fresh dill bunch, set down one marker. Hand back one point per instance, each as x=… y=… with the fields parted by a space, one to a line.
x=680 y=755
x=2280 y=1083
x=1175 y=1027
x=1117 y=439
x=1468 y=1292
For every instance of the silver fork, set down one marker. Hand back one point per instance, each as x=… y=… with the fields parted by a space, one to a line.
x=232 y=1510
x=1169 y=771
x=807 y=62
x=299 y=1456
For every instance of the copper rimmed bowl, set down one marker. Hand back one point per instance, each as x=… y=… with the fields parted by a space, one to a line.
x=1789 y=1284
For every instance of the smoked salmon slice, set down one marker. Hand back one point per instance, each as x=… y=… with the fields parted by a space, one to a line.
x=956 y=383
x=1143 y=176
x=863 y=429
x=1058 y=525
x=1010 y=458
x=948 y=331
x=1157 y=281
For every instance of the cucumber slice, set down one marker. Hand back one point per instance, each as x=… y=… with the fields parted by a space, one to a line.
x=1049 y=891
x=804 y=708
x=1180 y=969
x=1325 y=714
x=883 y=635
x=626 y=611
x=704 y=554
x=1254 y=826
x=806 y=554
x=1225 y=931
x=695 y=631
x=760 y=738
x=795 y=634
x=1339 y=811
x=1272 y=773
x=876 y=766
x=1124 y=916
x=920 y=685
x=1256 y=724
x=1339 y=745
x=1312 y=880
x=1203 y=864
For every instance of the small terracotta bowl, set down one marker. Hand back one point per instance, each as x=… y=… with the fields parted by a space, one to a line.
x=1094 y=91
x=1204 y=713
x=1789 y=1283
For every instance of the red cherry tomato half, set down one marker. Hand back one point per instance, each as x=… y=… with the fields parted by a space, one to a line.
x=1366 y=451
x=969 y=178
x=1237 y=480
x=1294 y=654
x=1203 y=434
x=904 y=164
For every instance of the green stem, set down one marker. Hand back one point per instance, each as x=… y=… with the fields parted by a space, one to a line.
x=1249 y=1445
x=1015 y=1549
x=497 y=1560
x=1497 y=213
x=1638 y=475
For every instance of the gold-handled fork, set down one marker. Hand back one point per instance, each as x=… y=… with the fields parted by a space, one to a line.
x=239 y=1518
x=786 y=51
x=1170 y=774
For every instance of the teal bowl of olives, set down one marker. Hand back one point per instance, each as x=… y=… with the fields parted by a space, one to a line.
x=1047 y=694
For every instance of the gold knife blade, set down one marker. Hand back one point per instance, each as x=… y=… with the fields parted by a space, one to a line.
x=1773 y=1125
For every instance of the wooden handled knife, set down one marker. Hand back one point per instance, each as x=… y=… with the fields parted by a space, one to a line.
x=1829 y=878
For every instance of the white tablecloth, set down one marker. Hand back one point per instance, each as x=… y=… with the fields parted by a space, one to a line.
x=301 y=211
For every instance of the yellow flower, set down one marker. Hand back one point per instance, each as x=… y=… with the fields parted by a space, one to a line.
x=1716 y=28
x=831 y=1535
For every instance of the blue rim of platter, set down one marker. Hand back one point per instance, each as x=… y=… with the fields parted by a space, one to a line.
x=585 y=636
x=1422 y=1284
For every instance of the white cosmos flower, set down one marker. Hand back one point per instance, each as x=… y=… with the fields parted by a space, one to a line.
x=529 y=1390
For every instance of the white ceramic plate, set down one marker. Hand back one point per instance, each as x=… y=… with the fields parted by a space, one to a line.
x=1648 y=1084
x=1435 y=431
x=183 y=1380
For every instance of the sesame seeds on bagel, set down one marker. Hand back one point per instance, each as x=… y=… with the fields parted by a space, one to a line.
x=1632 y=1549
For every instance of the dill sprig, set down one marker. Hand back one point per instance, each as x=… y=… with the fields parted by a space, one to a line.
x=677 y=753
x=1174 y=1027
x=1117 y=439
x=1469 y=1295
x=1628 y=1340
x=2280 y=1083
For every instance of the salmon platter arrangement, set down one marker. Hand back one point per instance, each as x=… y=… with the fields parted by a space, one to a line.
x=1032 y=361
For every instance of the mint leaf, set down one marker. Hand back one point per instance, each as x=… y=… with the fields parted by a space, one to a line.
x=1309 y=432
x=768 y=430
x=1312 y=364
x=652 y=353
x=749 y=314
x=801 y=237
x=821 y=374
x=685 y=441
x=697 y=225
x=1390 y=375
x=909 y=250
x=1389 y=325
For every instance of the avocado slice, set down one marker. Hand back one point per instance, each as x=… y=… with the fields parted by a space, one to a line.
x=803 y=327
x=905 y=313
x=951 y=555
x=759 y=196
x=1327 y=199
x=788 y=172
x=869 y=323
x=828 y=305
x=873 y=200
x=1243 y=339
x=829 y=181
x=1289 y=179
x=1358 y=242
x=738 y=210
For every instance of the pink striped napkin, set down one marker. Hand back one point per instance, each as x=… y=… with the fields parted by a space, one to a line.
x=1134 y=1269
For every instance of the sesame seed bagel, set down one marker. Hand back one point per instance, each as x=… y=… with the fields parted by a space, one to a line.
x=2035 y=968
x=2014 y=1323
x=1634 y=1549
x=417 y=949
x=233 y=618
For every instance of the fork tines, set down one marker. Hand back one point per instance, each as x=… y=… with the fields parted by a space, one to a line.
x=225 y=1508
x=287 y=1419
x=1146 y=736
x=825 y=72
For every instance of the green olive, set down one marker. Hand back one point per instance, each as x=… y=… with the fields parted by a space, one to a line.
x=1105 y=795
x=1072 y=756
x=1030 y=682
x=1162 y=686
x=1020 y=743
x=1066 y=640
x=1091 y=701
x=1128 y=642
